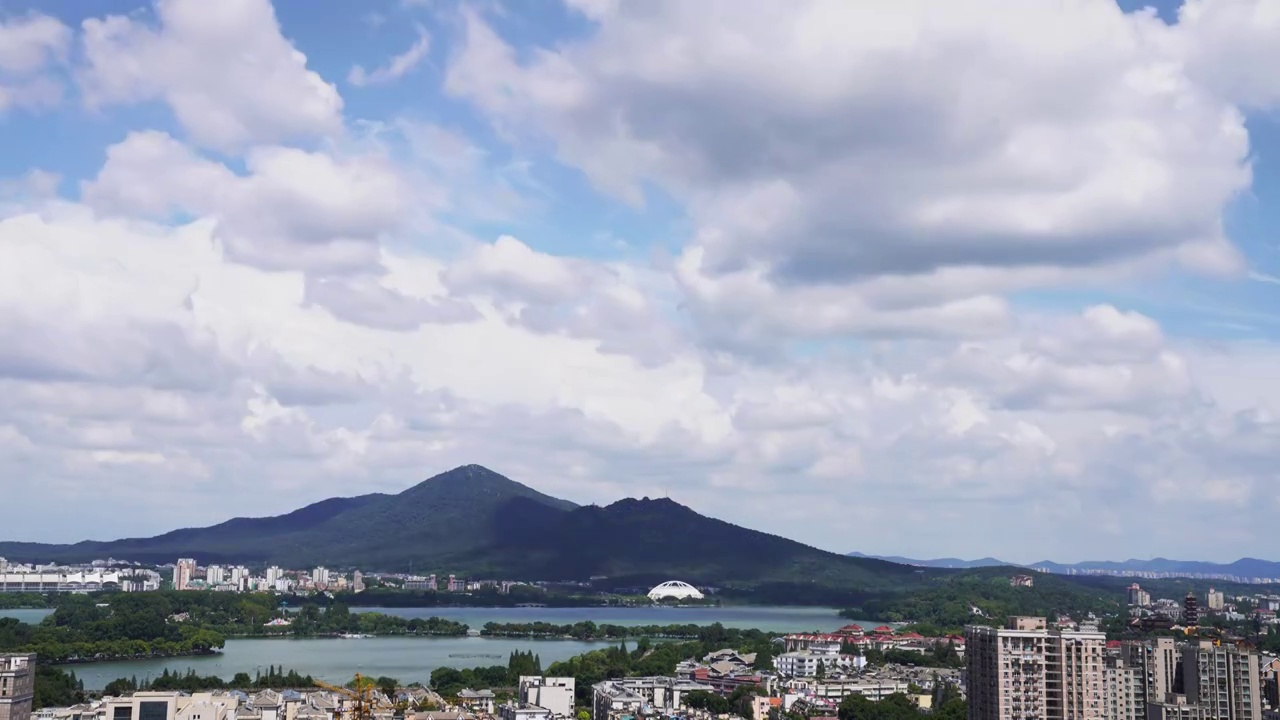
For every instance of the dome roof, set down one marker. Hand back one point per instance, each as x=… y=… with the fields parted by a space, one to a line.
x=675 y=589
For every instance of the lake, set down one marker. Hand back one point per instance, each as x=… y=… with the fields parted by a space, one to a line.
x=413 y=658
x=775 y=619
x=27 y=615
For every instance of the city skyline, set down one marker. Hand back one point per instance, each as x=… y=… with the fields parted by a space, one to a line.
x=990 y=278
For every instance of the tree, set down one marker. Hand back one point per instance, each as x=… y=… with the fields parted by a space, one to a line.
x=387 y=685
x=764 y=659
x=822 y=670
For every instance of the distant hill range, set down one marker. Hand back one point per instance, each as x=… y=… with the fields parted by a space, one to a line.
x=471 y=520
x=1244 y=568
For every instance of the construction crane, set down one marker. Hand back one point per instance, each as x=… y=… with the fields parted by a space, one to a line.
x=363 y=693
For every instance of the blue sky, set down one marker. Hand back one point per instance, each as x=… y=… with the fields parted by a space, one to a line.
x=827 y=272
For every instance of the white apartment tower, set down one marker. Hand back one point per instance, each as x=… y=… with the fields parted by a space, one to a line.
x=274 y=573
x=320 y=576
x=215 y=575
x=183 y=573
x=1028 y=672
x=1215 y=600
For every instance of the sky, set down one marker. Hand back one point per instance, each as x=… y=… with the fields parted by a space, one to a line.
x=982 y=277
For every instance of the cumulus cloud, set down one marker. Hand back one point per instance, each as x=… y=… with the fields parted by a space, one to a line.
x=30 y=45
x=291 y=209
x=1017 y=139
x=262 y=93
x=837 y=342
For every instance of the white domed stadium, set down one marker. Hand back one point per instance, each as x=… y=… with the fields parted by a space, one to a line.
x=674 y=589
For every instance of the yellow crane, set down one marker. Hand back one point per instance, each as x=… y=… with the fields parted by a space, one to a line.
x=363 y=693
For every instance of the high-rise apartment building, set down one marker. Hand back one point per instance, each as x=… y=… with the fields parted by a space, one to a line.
x=1215 y=600
x=1222 y=680
x=183 y=573
x=274 y=573
x=320 y=576
x=17 y=686
x=1156 y=661
x=454 y=584
x=1075 y=674
x=357 y=581
x=1137 y=596
x=1123 y=697
x=239 y=575
x=215 y=575
x=1029 y=672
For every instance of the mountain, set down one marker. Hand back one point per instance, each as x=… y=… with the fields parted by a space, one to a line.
x=445 y=514
x=473 y=520
x=939 y=562
x=1243 y=568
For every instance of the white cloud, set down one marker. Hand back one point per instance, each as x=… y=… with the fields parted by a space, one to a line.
x=397 y=67
x=835 y=162
x=261 y=93
x=30 y=45
x=291 y=209
x=282 y=324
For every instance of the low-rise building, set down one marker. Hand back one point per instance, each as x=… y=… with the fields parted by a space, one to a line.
x=640 y=695
x=523 y=711
x=556 y=694
x=479 y=701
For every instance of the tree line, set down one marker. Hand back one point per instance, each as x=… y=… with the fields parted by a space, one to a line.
x=588 y=630
x=192 y=682
x=949 y=604
x=114 y=626
x=449 y=681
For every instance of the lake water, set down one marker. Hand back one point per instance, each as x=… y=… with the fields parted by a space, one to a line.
x=775 y=619
x=27 y=615
x=413 y=658
x=336 y=660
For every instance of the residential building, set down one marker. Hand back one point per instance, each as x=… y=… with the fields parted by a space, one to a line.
x=184 y=571
x=1122 y=691
x=871 y=689
x=523 y=711
x=1223 y=680
x=357 y=581
x=1156 y=662
x=420 y=583
x=274 y=575
x=1022 y=581
x=629 y=696
x=1172 y=707
x=214 y=575
x=1215 y=600
x=479 y=701
x=144 y=706
x=1075 y=674
x=1138 y=597
x=455 y=585
x=811 y=664
x=1029 y=672
x=17 y=686
x=553 y=693
x=1007 y=671
x=320 y=576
